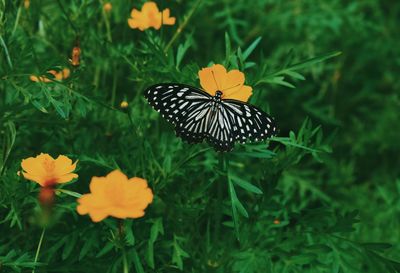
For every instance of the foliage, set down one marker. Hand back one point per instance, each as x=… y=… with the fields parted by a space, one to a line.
x=323 y=196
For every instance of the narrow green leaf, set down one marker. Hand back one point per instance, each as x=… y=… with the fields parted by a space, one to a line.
x=107 y=248
x=314 y=60
x=136 y=261
x=251 y=48
x=245 y=185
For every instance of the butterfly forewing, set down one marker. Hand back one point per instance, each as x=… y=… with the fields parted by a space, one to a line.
x=173 y=100
x=197 y=116
x=181 y=104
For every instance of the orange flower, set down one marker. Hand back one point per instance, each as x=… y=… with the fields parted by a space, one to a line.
x=58 y=76
x=150 y=16
x=76 y=54
x=107 y=7
x=231 y=84
x=115 y=195
x=124 y=104
x=48 y=171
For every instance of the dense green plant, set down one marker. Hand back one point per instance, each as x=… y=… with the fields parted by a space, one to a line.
x=324 y=196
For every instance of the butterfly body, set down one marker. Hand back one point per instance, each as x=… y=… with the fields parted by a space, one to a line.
x=199 y=116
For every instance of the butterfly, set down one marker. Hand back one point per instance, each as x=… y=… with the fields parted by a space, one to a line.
x=199 y=116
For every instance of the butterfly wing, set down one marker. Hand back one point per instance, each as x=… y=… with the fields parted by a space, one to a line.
x=220 y=132
x=182 y=105
x=250 y=123
x=196 y=116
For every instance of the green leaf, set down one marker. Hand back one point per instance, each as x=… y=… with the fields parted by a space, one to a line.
x=69 y=245
x=305 y=258
x=136 y=261
x=107 y=248
x=313 y=61
x=251 y=48
x=156 y=229
x=129 y=237
x=87 y=245
x=178 y=253
x=236 y=207
x=245 y=185
x=377 y=246
x=280 y=80
x=182 y=49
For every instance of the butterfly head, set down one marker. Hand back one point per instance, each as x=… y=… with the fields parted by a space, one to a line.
x=218 y=95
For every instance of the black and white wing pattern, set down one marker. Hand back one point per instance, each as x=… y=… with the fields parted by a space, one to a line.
x=182 y=105
x=250 y=123
x=197 y=115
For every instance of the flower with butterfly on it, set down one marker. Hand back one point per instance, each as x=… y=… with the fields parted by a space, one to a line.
x=218 y=114
x=57 y=76
x=117 y=196
x=150 y=16
x=231 y=84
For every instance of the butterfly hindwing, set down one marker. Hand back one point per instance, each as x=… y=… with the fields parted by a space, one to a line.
x=250 y=122
x=220 y=130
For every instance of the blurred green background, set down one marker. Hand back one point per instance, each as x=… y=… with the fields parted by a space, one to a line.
x=330 y=182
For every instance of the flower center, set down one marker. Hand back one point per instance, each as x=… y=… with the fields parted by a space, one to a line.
x=48 y=165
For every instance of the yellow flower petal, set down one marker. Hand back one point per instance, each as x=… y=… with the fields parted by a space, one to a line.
x=231 y=84
x=37 y=178
x=117 y=196
x=63 y=165
x=243 y=94
x=66 y=178
x=150 y=16
x=150 y=7
x=34 y=165
x=46 y=170
x=166 y=19
x=98 y=215
x=212 y=78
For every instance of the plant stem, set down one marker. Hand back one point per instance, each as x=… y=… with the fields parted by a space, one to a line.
x=182 y=26
x=38 y=248
x=107 y=22
x=218 y=216
x=17 y=18
x=122 y=241
x=3 y=44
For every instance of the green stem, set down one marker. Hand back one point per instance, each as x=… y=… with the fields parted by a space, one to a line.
x=3 y=44
x=122 y=242
x=125 y=261
x=17 y=18
x=219 y=205
x=38 y=248
x=182 y=26
x=114 y=87
x=107 y=22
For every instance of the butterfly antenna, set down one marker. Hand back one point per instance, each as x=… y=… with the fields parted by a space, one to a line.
x=215 y=80
x=231 y=87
